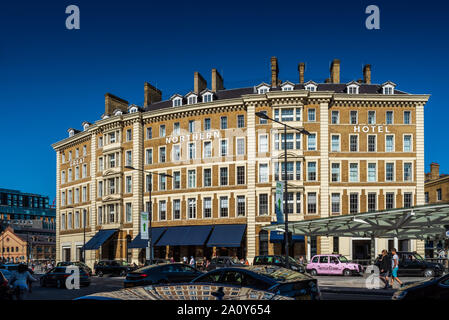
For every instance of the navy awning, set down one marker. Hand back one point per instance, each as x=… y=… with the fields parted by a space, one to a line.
x=98 y=239
x=185 y=236
x=139 y=243
x=278 y=236
x=227 y=235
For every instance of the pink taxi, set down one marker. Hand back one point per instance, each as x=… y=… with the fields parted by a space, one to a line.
x=332 y=264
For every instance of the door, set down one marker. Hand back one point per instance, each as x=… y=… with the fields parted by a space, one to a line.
x=334 y=265
x=323 y=265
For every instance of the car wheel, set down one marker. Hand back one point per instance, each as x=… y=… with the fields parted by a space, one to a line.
x=100 y=274
x=429 y=273
x=313 y=272
x=60 y=284
x=347 y=272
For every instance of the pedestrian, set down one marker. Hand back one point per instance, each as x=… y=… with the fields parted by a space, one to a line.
x=172 y=260
x=395 y=268
x=192 y=262
x=384 y=265
x=184 y=259
x=301 y=260
x=20 y=279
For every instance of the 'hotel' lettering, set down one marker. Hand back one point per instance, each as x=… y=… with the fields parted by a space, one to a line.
x=373 y=129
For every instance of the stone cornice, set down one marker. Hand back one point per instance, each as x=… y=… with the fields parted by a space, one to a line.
x=343 y=99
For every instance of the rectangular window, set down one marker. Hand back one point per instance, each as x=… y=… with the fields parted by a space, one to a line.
x=262 y=120
x=371 y=117
x=311 y=142
x=191 y=175
x=311 y=203
x=426 y=196
x=162 y=182
x=407 y=143
x=389 y=171
x=149 y=156
x=240 y=121
x=207 y=124
x=129 y=135
x=372 y=172
x=372 y=201
x=128 y=184
x=241 y=206
x=353 y=172
x=298 y=170
x=335 y=118
x=192 y=208
x=335 y=172
x=389 y=200
x=77 y=173
x=100 y=215
x=371 y=143
x=207 y=207
x=207 y=149
x=263 y=204
x=408 y=200
x=111 y=183
x=298 y=141
x=389 y=143
x=224 y=207
x=176 y=129
x=69 y=221
x=100 y=142
x=224 y=123
x=289 y=202
x=112 y=160
x=84 y=194
x=287 y=114
x=276 y=114
x=335 y=145
x=69 y=175
x=335 y=203
x=100 y=188
x=439 y=195
x=353 y=203
x=353 y=143
x=191 y=126
x=149 y=133
x=298 y=114
x=389 y=117
x=192 y=150
x=62 y=198
x=176 y=180
x=298 y=202
x=162 y=131
x=162 y=210
x=128 y=212
x=240 y=146
x=161 y=154
x=407 y=171
x=311 y=115
x=224 y=148
x=111 y=209
x=84 y=172
x=84 y=151
x=223 y=176
x=354 y=117
x=263 y=172
x=129 y=158
x=77 y=195
x=263 y=143
x=69 y=197
x=149 y=182
x=112 y=137
x=311 y=171
x=290 y=172
x=407 y=116
x=176 y=209
x=62 y=177
x=207 y=177
x=241 y=175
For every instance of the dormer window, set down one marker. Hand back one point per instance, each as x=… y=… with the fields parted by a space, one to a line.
x=133 y=109
x=85 y=125
x=287 y=86
x=177 y=100
x=105 y=116
x=388 y=87
x=353 y=88
x=263 y=88
x=71 y=132
x=310 y=86
x=207 y=95
x=192 y=100
x=118 y=112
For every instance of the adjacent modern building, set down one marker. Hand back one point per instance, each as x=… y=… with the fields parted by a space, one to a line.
x=365 y=152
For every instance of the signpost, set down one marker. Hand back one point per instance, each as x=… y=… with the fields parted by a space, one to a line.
x=279 y=198
x=144 y=223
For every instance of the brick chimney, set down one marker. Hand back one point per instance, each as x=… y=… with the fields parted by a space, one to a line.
x=335 y=71
x=274 y=72
x=199 y=84
x=301 y=69
x=434 y=171
x=217 y=81
x=327 y=80
x=367 y=74
x=112 y=102
x=151 y=94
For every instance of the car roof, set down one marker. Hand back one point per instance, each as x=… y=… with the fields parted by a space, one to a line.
x=272 y=273
x=160 y=265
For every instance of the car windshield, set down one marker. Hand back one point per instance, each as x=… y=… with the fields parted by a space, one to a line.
x=418 y=257
x=343 y=259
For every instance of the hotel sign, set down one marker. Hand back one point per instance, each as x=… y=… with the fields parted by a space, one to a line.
x=77 y=162
x=193 y=137
x=372 y=129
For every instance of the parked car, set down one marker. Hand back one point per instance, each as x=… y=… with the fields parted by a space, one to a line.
x=412 y=264
x=274 y=279
x=221 y=262
x=113 y=267
x=58 y=275
x=333 y=264
x=436 y=288
x=75 y=263
x=187 y=291
x=5 y=290
x=279 y=261
x=162 y=273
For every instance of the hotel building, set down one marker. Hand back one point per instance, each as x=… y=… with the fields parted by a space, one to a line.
x=365 y=152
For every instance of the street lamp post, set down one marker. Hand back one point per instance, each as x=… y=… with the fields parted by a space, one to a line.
x=150 y=209
x=266 y=117
x=84 y=235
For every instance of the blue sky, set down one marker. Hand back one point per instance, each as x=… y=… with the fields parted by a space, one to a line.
x=53 y=78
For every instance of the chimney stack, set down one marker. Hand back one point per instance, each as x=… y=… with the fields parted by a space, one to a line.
x=301 y=69
x=367 y=74
x=112 y=102
x=151 y=94
x=199 y=84
x=217 y=81
x=434 y=171
x=274 y=72
x=335 y=71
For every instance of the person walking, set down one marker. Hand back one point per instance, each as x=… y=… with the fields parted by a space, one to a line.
x=395 y=268
x=19 y=281
x=384 y=268
x=192 y=262
x=184 y=259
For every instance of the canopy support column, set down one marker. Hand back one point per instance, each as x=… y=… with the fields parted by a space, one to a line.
x=373 y=249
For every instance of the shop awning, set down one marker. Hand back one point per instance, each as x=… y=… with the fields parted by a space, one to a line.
x=139 y=243
x=185 y=236
x=227 y=235
x=98 y=239
x=278 y=236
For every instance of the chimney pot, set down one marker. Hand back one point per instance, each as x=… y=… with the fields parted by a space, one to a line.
x=335 y=71
x=199 y=84
x=367 y=74
x=274 y=72
x=301 y=69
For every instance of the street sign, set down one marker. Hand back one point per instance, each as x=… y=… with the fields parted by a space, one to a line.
x=144 y=222
x=279 y=208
